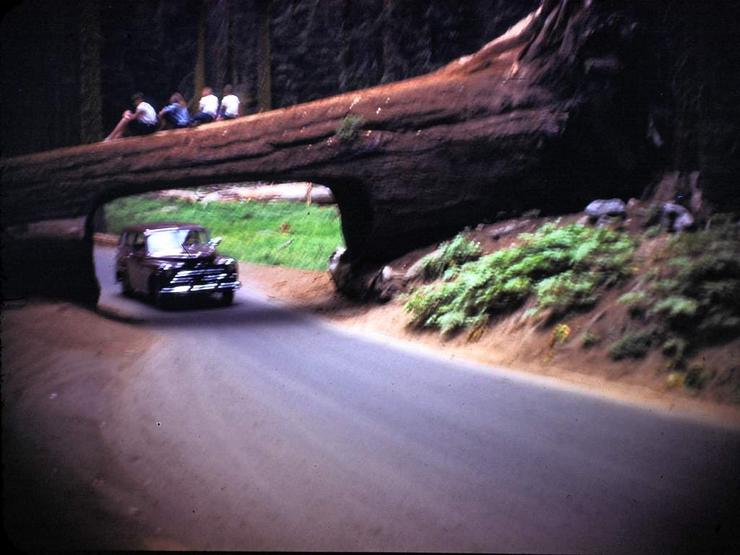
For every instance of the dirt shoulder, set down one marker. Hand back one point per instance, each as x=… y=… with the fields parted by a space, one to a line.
x=64 y=487
x=508 y=342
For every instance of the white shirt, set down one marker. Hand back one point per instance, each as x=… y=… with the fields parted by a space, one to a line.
x=148 y=115
x=230 y=105
x=209 y=105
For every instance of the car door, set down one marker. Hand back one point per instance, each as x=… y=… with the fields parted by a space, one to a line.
x=135 y=263
x=122 y=253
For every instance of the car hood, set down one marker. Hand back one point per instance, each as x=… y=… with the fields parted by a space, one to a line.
x=196 y=256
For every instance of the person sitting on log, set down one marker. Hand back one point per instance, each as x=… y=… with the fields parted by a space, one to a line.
x=175 y=115
x=142 y=121
x=207 y=108
x=229 y=108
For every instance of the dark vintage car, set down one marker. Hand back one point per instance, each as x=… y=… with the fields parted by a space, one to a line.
x=169 y=260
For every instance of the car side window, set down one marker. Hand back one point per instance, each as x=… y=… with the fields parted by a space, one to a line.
x=138 y=241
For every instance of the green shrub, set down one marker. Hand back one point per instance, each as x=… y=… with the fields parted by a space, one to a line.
x=636 y=301
x=675 y=347
x=565 y=267
x=676 y=309
x=719 y=323
x=652 y=232
x=633 y=297
x=694 y=298
x=726 y=291
x=567 y=290
x=663 y=287
x=590 y=339
x=697 y=377
x=633 y=345
x=449 y=256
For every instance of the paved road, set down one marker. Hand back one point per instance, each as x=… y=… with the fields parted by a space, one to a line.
x=254 y=427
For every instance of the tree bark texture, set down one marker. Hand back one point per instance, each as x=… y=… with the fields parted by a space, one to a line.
x=548 y=116
x=91 y=112
x=264 y=57
x=199 y=72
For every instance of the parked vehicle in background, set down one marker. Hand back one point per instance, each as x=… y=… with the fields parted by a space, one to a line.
x=169 y=260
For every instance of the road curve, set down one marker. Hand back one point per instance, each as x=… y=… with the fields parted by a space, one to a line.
x=254 y=427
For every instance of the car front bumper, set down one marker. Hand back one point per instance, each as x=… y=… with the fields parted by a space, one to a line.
x=188 y=289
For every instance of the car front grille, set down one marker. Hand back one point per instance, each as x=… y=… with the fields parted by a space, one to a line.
x=206 y=275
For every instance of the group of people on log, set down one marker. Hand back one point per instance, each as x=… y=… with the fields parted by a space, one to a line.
x=144 y=119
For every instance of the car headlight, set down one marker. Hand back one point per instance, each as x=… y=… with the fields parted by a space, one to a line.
x=173 y=266
x=167 y=271
x=232 y=266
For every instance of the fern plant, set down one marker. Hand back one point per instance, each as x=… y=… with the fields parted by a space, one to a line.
x=450 y=255
x=564 y=267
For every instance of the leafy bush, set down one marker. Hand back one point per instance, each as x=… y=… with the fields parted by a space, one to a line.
x=636 y=301
x=675 y=347
x=695 y=296
x=697 y=377
x=633 y=345
x=564 y=267
x=568 y=290
x=676 y=309
x=590 y=339
x=450 y=254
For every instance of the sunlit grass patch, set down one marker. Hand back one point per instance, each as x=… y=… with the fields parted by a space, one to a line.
x=275 y=233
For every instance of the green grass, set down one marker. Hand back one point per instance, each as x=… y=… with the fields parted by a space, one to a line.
x=275 y=233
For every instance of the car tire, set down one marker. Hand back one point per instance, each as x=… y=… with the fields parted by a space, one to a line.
x=155 y=292
x=227 y=297
x=126 y=288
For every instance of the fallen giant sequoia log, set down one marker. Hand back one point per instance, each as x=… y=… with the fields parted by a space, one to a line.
x=545 y=116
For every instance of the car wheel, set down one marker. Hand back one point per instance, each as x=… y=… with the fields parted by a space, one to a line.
x=227 y=297
x=155 y=292
x=126 y=285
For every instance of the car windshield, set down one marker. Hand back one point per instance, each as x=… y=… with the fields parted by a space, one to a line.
x=172 y=240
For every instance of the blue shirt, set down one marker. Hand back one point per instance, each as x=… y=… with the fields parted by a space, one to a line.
x=179 y=113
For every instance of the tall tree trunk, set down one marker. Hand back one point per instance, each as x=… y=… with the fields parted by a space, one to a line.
x=91 y=116
x=230 y=73
x=199 y=73
x=264 y=57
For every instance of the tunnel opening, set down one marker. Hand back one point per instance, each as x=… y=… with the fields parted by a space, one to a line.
x=294 y=225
